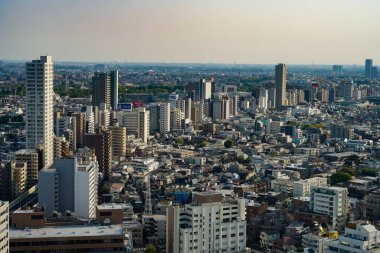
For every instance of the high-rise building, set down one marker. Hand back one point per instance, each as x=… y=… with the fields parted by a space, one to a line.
x=164 y=118
x=221 y=108
x=280 y=78
x=332 y=201
x=101 y=89
x=368 y=68
x=70 y=184
x=104 y=116
x=204 y=89
x=80 y=128
x=90 y=120
x=119 y=141
x=12 y=180
x=341 y=131
x=176 y=117
x=206 y=225
x=30 y=156
x=114 y=89
x=101 y=142
x=374 y=72
x=4 y=227
x=39 y=107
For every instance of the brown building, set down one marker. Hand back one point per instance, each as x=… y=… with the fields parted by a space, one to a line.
x=101 y=89
x=102 y=144
x=12 y=180
x=119 y=142
x=80 y=128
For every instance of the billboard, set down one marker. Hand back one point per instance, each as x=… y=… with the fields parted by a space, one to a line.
x=126 y=106
x=138 y=103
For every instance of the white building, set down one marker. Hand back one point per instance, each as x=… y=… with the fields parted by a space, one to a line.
x=331 y=201
x=314 y=242
x=164 y=118
x=144 y=164
x=282 y=185
x=90 y=120
x=359 y=237
x=204 y=90
x=207 y=225
x=302 y=188
x=4 y=227
x=70 y=184
x=39 y=107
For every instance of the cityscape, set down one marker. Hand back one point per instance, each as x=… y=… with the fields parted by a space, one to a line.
x=179 y=155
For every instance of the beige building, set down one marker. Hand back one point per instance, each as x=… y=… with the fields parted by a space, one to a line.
x=119 y=141
x=136 y=122
x=30 y=156
x=4 y=227
x=12 y=180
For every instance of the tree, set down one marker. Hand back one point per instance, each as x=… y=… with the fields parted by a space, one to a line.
x=340 y=177
x=203 y=144
x=180 y=141
x=150 y=248
x=368 y=172
x=228 y=144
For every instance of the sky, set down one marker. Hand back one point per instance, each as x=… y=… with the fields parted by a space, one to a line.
x=192 y=31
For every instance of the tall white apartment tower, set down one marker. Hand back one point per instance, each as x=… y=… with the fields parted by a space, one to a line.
x=39 y=107
x=164 y=118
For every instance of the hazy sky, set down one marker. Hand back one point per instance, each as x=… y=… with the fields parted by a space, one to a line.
x=219 y=31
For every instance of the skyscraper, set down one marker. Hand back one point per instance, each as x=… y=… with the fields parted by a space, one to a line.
x=164 y=118
x=39 y=107
x=114 y=89
x=368 y=68
x=280 y=72
x=204 y=89
x=101 y=89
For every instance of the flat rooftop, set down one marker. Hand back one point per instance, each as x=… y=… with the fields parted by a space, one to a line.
x=66 y=231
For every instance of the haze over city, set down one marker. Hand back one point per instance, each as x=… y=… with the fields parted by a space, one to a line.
x=199 y=31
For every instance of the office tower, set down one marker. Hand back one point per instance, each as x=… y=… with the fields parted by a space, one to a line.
x=164 y=118
x=272 y=98
x=90 y=120
x=368 y=68
x=280 y=76
x=176 y=117
x=263 y=99
x=70 y=184
x=301 y=96
x=338 y=69
x=4 y=227
x=12 y=180
x=347 y=90
x=137 y=122
x=80 y=128
x=101 y=89
x=101 y=142
x=119 y=141
x=188 y=105
x=332 y=95
x=206 y=225
x=374 y=72
x=30 y=156
x=332 y=201
x=114 y=89
x=204 y=89
x=359 y=236
x=39 y=107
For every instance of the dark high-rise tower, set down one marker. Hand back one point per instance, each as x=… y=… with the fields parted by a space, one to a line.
x=101 y=89
x=368 y=68
x=280 y=73
x=114 y=88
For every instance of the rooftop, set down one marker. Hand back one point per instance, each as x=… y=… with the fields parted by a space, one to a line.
x=66 y=231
